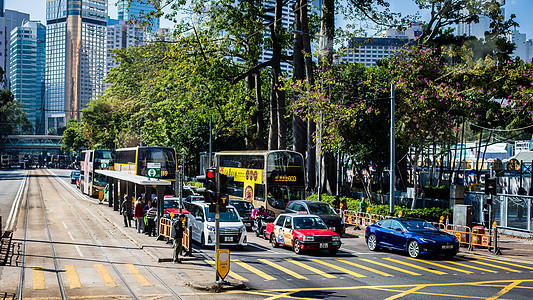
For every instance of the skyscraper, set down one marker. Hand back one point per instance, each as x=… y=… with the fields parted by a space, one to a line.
x=9 y=20
x=75 y=57
x=27 y=63
x=131 y=9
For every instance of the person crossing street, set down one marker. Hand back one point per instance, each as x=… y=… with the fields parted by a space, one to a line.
x=177 y=233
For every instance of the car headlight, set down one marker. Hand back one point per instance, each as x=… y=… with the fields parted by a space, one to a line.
x=309 y=238
x=336 y=238
x=425 y=240
x=242 y=228
x=211 y=228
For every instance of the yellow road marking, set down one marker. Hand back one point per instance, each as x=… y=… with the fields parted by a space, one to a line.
x=468 y=266
x=400 y=295
x=283 y=269
x=73 y=278
x=104 y=273
x=390 y=267
x=442 y=266
x=254 y=270
x=505 y=263
x=415 y=266
x=38 y=278
x=364 y=267
x=231 y=273
x=300 y=264
x=337 y=268
x=495 y=266
x=505 y=290
x=137 y=274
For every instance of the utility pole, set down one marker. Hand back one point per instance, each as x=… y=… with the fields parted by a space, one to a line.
x=392 y=152
x=217 y=213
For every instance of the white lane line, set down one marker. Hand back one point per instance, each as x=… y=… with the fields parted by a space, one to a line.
x=64 y=224
x=79 y=250
x=16 y=204
x=71 y=237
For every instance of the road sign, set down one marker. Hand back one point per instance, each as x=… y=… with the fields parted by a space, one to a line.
x=104 y=164
x=153 y=170
x=223 y=260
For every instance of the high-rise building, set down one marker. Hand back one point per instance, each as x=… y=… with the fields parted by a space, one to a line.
x=9 y=20
x=26 y=72
x=131 y=9
x=477 y=29
x=368 y=51
x=121 y=34
x=524 y=47
x=75 y=57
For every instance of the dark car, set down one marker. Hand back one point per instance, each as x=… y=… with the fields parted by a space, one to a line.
x=321 y=209
x=414 y=236
x=245 y=211
x=74 y=175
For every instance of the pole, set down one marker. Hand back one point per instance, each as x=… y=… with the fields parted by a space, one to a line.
x=210 y=143
x=392 y=152
x=180 y=186
x=319 y=181
x=217 y=216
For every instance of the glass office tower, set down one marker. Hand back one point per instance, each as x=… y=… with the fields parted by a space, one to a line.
x=131 y=9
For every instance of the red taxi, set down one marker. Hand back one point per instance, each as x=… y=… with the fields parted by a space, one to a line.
x=302 y=232
x=172 y=205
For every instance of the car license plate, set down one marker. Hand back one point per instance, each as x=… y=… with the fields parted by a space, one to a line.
x=447 y=246
x=323 y=245
x=331 y=228
x=228 y=239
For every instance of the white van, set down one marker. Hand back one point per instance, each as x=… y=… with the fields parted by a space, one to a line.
x=232 y=230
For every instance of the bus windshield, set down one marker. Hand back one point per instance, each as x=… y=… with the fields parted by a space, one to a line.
x=280 y=196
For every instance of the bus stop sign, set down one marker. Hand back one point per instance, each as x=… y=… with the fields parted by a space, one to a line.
x=104 y=164
x=223 y=261
x=153 y=170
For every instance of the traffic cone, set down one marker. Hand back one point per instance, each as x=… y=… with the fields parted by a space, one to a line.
x=447 y=220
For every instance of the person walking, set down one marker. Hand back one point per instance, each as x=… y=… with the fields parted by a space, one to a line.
x=151 y=216
x=138 y=214
x=178 y=237
x=125 y=209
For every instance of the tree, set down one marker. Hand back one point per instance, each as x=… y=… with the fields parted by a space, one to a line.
x=13 y=120
x=73 y=137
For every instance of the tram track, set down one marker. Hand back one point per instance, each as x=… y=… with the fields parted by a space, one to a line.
x=85 y=227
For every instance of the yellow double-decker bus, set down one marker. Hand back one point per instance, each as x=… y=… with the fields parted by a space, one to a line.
x=265 y=178
x=135 y=161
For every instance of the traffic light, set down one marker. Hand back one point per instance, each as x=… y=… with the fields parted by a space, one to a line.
x=209 y=189
x=490 y=185
x=223 y=201
x=225 y=184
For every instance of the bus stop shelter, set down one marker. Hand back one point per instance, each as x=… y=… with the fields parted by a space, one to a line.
x=121 y=184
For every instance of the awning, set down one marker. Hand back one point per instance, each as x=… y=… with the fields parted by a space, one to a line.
x=141 y=180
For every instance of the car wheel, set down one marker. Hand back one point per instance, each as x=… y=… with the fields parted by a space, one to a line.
x=413 y=249
x=273 y=240
x=202 y=241
x=297 y=247
x=372 y=242
x=333 y=251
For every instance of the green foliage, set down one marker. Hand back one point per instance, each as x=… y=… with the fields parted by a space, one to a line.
x=432 y=214
x=13 y=120
x=353 y=204
x=73 y=137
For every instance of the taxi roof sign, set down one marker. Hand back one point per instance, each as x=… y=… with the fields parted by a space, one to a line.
x=302 y=213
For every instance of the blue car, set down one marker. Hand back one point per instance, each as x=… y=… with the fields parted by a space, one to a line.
x=414 y=236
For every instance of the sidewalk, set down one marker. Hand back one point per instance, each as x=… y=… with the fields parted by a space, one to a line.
x=195 y=272
x=512 y=248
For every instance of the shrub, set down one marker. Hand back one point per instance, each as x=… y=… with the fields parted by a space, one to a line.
x=431 y=214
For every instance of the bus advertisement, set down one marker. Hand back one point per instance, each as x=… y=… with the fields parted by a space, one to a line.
x=265 y=178
x=90 y=181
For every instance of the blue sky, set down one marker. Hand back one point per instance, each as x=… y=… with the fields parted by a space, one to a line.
x=521 y=8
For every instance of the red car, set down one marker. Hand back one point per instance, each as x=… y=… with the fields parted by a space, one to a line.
x=172 y=205
x=302 y=232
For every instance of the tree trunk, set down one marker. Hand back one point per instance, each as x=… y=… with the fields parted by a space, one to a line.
x=258 y=116
x=298 y=125
x=478 y=169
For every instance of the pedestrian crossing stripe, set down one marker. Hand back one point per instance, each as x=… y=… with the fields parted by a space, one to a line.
x=364 y=267
x=415 y=266
x=38 y=278
x=338 y=268
x=104 y=273
x=495 y=266
x=443 y=266
x=390 y=267
x=315 y=270
x=137 y=275
x=282 y=269
x=505 y=263
x=253 y=270
x=468 y=266
x=73 y=278
x=231 y=273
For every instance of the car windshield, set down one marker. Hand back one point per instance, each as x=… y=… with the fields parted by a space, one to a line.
x=309 y=223
x=171 y=204
x=242 y=205
x=320 y=209
x=229 y=216
x=418 y=225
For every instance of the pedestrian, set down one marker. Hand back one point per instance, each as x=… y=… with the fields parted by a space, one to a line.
x=138 y=214
x=363 y=206
x=337 y=204
x=125 y=209
x=147 y=206
x=151 y=216
x=177 y=233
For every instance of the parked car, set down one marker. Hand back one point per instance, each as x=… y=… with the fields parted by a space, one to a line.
x=232 y=230
x=302 y=232
x=172 y=205
x=414 y=236
x=74 y=175
x=192 y=198
x=245 y=211
x=321 y=209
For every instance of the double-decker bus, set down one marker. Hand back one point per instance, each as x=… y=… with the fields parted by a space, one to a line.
x=267 y=178
x=92 y=160
x=135 y=161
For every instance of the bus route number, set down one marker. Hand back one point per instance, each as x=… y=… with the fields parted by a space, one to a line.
x=285 y=178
